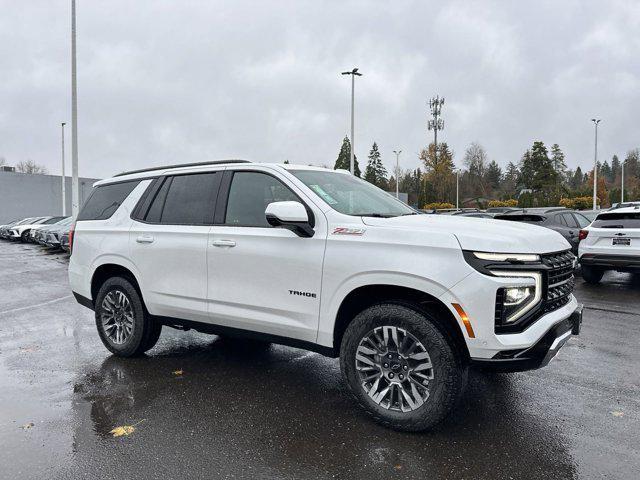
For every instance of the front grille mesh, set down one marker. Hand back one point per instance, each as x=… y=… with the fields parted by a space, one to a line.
x=560 y=280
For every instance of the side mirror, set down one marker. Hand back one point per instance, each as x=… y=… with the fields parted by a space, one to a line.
x=290 y=215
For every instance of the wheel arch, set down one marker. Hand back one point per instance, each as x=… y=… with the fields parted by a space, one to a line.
x=108 y=270
x=365 y=296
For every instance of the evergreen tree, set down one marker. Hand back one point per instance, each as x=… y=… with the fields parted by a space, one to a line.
x=510 y=181
x=557 y=160
x=606 y=172
x=527 y=170
x=344 y=160
x=493 y=175
x=615 y=167
x=544 y=176
x=375 y=172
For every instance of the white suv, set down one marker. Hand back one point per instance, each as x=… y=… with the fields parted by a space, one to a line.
x=321 y=260
x=611 y=242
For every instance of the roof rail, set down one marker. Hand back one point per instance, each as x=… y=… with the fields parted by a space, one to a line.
x=196 y=164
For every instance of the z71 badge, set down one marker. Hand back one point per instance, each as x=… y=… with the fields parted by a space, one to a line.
x=348 y=231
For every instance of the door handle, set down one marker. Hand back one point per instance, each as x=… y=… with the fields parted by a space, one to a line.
x=223 y=243
x=144 y=239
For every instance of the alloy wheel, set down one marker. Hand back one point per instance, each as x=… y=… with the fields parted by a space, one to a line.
x=394 y=368
x=117 y=317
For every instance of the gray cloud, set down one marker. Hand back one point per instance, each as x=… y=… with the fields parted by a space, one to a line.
x=169 y=81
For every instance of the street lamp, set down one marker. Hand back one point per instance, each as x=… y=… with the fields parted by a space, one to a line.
x=64 y=195
x=457 y=189
x=397 y=152
x=353 y=74
x=622 y=182
x=75 y=191
x=595 y=165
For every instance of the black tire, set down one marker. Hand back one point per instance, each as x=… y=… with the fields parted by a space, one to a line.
x=449 y=367
x=145 y=332
x=592 y=275
x=24 y=237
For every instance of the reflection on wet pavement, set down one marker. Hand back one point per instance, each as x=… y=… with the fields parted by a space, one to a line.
x=247 y=410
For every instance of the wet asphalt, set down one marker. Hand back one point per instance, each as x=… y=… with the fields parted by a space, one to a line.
x=239 y=410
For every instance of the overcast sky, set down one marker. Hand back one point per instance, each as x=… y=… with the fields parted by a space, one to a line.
x=177 y=81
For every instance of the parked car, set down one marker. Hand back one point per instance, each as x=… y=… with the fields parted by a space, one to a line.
x=615 y=206
x=564 y=221
x=64 y=240
x=322 y=260
x=15 y=231
x=49 y=236
x=46 y=223
x=497 y=210
x=611 y=242
x=22 y=232
x=4 y=229
x=477 y=214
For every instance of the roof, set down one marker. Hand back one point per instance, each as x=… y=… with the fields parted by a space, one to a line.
x=145 y=173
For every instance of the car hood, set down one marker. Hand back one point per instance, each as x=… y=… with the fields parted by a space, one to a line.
x=481 y=234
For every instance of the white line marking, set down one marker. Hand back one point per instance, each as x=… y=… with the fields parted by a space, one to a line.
x=15 y=310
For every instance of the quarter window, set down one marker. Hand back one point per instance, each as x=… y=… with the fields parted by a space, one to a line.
x=105 y=200
x=249 y=195
x=571 y=222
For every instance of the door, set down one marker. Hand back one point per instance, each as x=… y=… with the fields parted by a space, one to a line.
x=263 y=278
x=168 y=245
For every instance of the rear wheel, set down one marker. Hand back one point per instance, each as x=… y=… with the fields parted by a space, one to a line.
x=24 y=238
x=400 y=367
x=124 y=325
x=592 y=275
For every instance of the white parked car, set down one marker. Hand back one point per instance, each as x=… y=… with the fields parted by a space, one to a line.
x=21 y=230
x=321 y=260
x=611 y=242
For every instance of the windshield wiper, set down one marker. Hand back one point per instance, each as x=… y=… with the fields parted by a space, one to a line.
x=410 y=213
x=376 y=215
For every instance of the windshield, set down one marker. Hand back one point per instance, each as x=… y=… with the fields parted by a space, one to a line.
x=618 y=220
x=352 y=196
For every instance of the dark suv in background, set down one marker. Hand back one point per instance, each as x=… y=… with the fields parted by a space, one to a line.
x=564 y=221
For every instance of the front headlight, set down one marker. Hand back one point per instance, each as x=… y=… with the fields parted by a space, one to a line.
x=514 y=301
x=507 y=257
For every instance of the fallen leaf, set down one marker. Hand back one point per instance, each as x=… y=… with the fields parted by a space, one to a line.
x=617 y=414
x=398 y=467
x=123 y=431
x=177 y=373
x=27 y=426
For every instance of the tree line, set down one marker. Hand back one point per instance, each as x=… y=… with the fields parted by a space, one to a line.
x=539 y=178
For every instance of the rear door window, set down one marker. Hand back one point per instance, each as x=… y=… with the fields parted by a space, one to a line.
x=559 y=219
x=571 y=222
x=617 y=220
x=105 y=200
x=186 y=200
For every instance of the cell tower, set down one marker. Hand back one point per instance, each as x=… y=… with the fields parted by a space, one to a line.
x=436 y=123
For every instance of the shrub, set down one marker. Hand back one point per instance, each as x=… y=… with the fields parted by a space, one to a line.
x=577 y=203
x=503 y=203
x=438 y=206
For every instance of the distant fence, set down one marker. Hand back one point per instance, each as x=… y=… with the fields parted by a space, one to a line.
x=28 y=195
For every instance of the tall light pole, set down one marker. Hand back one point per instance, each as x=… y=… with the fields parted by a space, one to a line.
x=75 y=193
x=397 y=152
x=353 y=74
x=457 y=189
x=436 y=123
x=64 y=193
x=595 y=165
x=622 y=182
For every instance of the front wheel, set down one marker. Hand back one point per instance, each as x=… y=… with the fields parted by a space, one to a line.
x=592 y=275
x=124 y=326
x=400 y=367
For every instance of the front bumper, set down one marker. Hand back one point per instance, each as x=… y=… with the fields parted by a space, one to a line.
x=538 y=355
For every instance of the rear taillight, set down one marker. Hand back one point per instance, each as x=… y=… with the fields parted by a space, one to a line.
x=583 y=234
x=71 y=232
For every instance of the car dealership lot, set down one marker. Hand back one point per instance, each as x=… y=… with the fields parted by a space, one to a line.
x=208 y=407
